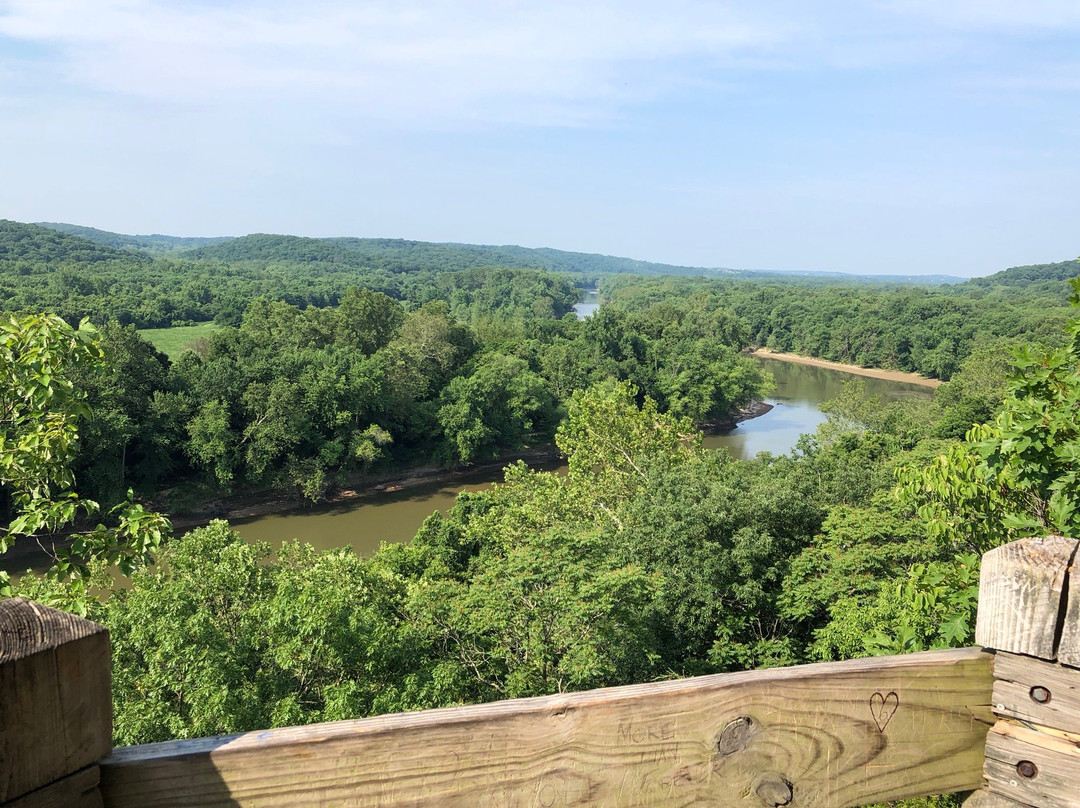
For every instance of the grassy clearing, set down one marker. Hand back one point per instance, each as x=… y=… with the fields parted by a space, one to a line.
x=172 y=341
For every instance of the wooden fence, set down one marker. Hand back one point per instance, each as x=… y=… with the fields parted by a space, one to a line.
x=1002 y=721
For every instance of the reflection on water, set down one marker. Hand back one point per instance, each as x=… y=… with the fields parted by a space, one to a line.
x=800 y=389
x=396 y=516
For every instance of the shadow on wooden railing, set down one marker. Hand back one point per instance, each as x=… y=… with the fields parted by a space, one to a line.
x=1004 y=723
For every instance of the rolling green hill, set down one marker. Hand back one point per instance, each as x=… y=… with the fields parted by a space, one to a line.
x=406 y=256
x=31 y=244
x=153 y=244
x=1031 y=275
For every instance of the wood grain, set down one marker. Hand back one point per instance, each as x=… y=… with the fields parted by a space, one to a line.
x=55 y=695
x=1069 y=648
x=841 y=734
x=1056 y=756
x=1015 y=678
x=79 y=790
x=1021 y=595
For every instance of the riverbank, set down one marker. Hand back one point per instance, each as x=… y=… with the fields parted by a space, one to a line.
x=358 y=491
x=356 y=488
x=874 y=373
x=364 y=487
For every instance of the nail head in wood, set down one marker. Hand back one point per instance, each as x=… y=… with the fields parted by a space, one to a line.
x=1025 y=768
x=1040 y=695
x=1017 y=681
x=1033 y=767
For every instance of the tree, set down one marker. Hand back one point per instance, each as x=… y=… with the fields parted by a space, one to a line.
x=1019 y=474
x=492 y=410
x=40 y=407
x=608 y=438
x=367 y=320
x=124 y=440
x=212 y=441
x=552 y=613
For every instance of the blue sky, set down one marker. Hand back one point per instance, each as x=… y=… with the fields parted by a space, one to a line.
x=898 y=136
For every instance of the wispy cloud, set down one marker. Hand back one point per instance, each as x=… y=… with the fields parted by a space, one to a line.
x=1004 y=15
x=460 y=59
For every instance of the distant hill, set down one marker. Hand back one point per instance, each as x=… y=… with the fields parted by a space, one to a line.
x=401 y=255
x=405 y=256
x=1031 y=275
x=36 y=245
x=152 y=244
x=265 y=247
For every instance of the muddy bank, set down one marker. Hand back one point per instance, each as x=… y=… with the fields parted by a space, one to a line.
x=875 y=373
x=251 y=504
x=752 y=410
x=364 y=487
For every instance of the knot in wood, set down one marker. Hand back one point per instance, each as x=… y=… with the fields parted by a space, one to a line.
x=1025 y=768
x=736 y=735
x=774 y=790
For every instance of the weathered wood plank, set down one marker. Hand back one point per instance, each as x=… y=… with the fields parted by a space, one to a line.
x=79 y=790
x=55 y=695
x=1020 y=595
x=1038 y=692
x=1069 y=649
x=1033 y=767
x=828 y=736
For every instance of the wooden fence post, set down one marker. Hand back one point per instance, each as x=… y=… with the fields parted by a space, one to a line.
x=55 y=707
x=1029 y=613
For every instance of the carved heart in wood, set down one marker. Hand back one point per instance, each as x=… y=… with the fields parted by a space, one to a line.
x=882 y=708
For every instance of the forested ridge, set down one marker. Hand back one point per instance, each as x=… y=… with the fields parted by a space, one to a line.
x=925 y=329
x=153 y=243
x=114 y=277
x=649 y=558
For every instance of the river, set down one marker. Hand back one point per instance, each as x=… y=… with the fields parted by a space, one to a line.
x=396 y=516
x=589 y=303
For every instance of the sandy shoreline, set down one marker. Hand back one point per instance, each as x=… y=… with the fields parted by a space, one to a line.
x=875 y=373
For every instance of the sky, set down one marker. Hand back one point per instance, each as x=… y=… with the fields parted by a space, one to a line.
x=875 y=137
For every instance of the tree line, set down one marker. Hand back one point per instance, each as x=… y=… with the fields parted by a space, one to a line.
x=297 y=399
x=914 y=329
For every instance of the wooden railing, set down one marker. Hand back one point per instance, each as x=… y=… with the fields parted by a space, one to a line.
x=1004 y=723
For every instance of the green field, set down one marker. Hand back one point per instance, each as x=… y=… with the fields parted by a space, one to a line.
x=172 y=341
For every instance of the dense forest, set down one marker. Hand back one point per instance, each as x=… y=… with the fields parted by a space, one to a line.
x=926 y=329
x=342 y=356
x=649 y=558
x=297 y=399
x=109 y=277
x=922 y=330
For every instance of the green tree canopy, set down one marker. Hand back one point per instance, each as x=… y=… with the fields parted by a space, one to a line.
x=40 y=407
